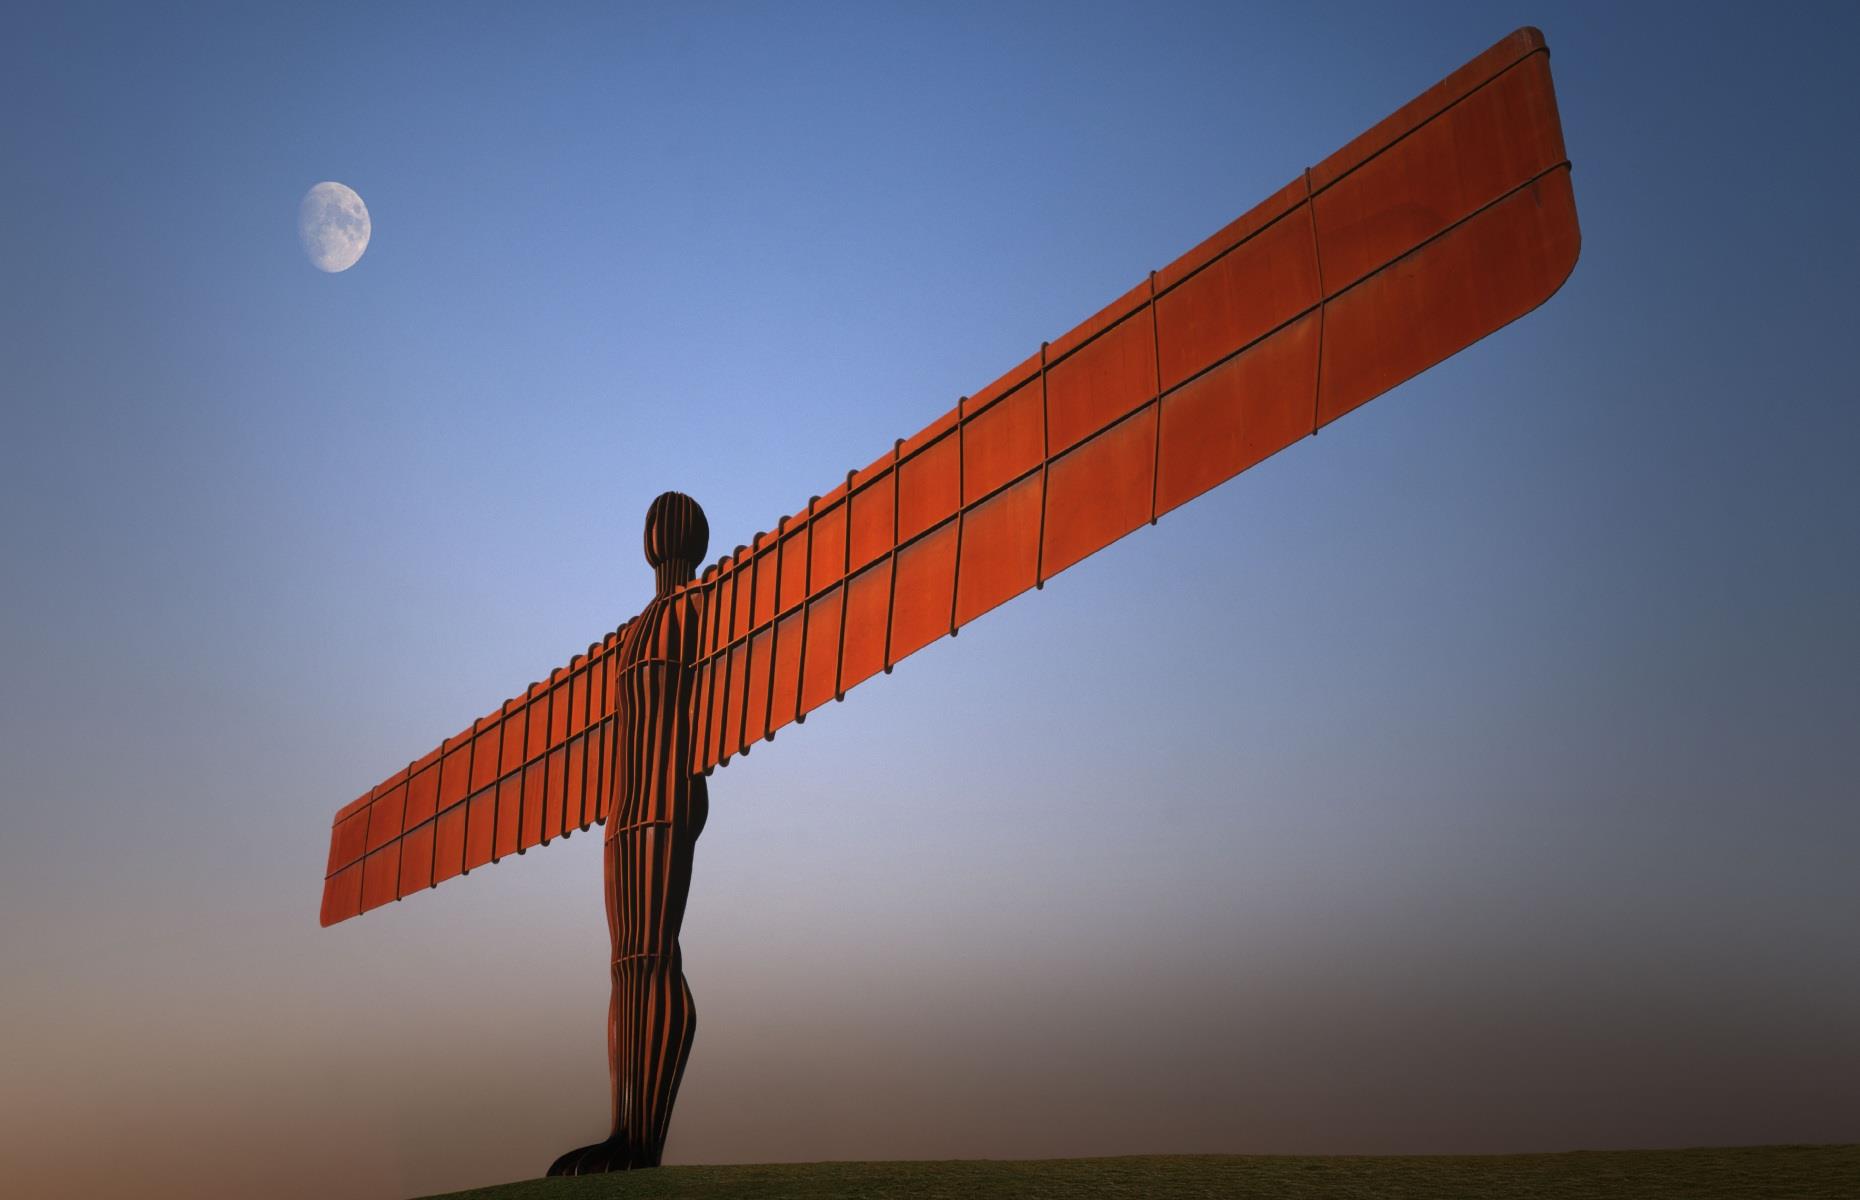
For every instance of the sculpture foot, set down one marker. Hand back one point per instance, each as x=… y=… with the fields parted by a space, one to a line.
x=611 y=1155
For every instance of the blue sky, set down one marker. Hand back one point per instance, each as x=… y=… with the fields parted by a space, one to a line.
x=1477 y=776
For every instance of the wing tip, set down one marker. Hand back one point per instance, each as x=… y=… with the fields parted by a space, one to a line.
x=1526 y=38
x=1567 y=261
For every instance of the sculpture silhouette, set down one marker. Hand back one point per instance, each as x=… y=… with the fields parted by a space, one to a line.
x=658 y=812
x=1444 y=222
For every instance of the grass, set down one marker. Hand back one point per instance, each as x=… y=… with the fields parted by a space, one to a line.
x=1745 y=1173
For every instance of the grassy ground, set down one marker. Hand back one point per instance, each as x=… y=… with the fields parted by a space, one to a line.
x=1750 y=1173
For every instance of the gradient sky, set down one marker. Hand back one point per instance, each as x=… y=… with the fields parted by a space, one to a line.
x=1478 y=776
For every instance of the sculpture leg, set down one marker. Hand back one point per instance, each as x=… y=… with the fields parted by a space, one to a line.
x=651 y=1021
x=660 y=1020
x=663 y=1026
x=617 y=1151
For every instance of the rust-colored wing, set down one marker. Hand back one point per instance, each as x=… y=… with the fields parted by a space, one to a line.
x=1444 y=222
x=517 y=777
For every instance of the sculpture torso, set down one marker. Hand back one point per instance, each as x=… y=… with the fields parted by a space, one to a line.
x=652 y=699
x=659 y=805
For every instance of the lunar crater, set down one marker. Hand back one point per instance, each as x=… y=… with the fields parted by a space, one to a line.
x=333 y=225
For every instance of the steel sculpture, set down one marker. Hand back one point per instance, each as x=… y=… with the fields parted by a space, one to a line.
x=1444 y=222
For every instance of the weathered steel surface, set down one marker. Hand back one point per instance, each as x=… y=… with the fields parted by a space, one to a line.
x=1446 y=221
x=1441 y=224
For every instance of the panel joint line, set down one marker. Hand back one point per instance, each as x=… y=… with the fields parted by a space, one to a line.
x=1317 y=262
x=891 y=585
x=1046 y=458
x=839 y=663
x=768 y=709
x=807 y=605
x=1156 y=361
x=962 y=512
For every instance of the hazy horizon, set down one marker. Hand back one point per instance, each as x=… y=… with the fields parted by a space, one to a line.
x=1477 y=776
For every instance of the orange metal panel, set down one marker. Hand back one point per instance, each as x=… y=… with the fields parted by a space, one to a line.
x=1496 y=138
x=934 y=431
x=735 y=703
x=928 y=487
x=742 y=599
x=821 y=670
x=581 y=813
x=532 y=822
x=600 y=686
x=454 y=773
x=348 y=841
x=925 y=591
x=868 y=600
x=449 y=845
x=574 y=796
x=1002 y=442
x=559 y=705
x=423 y=792
x=381 y=877
x=1443 y=297
x=595 y=795
x=712 y=681
x=717 y=718
x=756 y=691
x=416 y=859
x=510 y=740
x=577 y=702
x=1099 y=492
x=732 y=600
x=342 y=895
x=484 y=755
x=590 y=691
x=708 y=699
x=1237 y=298
x=1100 y=321
x=598 y=795
x=1249 y=407
x=827 y=555
x=793 y=567
x=764 y=587
x=1015 y=377
x=831 y=497
x=1235 y=232
x=873 y=530
x=556 y=788
x=509 y=799
x=385 y=815
x=1520 y=43
x=480 y=827
x=873 y=471
x=1103 y=380
x=601 y=783
x=356 y=805
x=536 y=732
x=705 y=676
x=1000 y=549
x=785 y=690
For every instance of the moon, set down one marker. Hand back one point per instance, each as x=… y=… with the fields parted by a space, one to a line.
x=333 y=225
